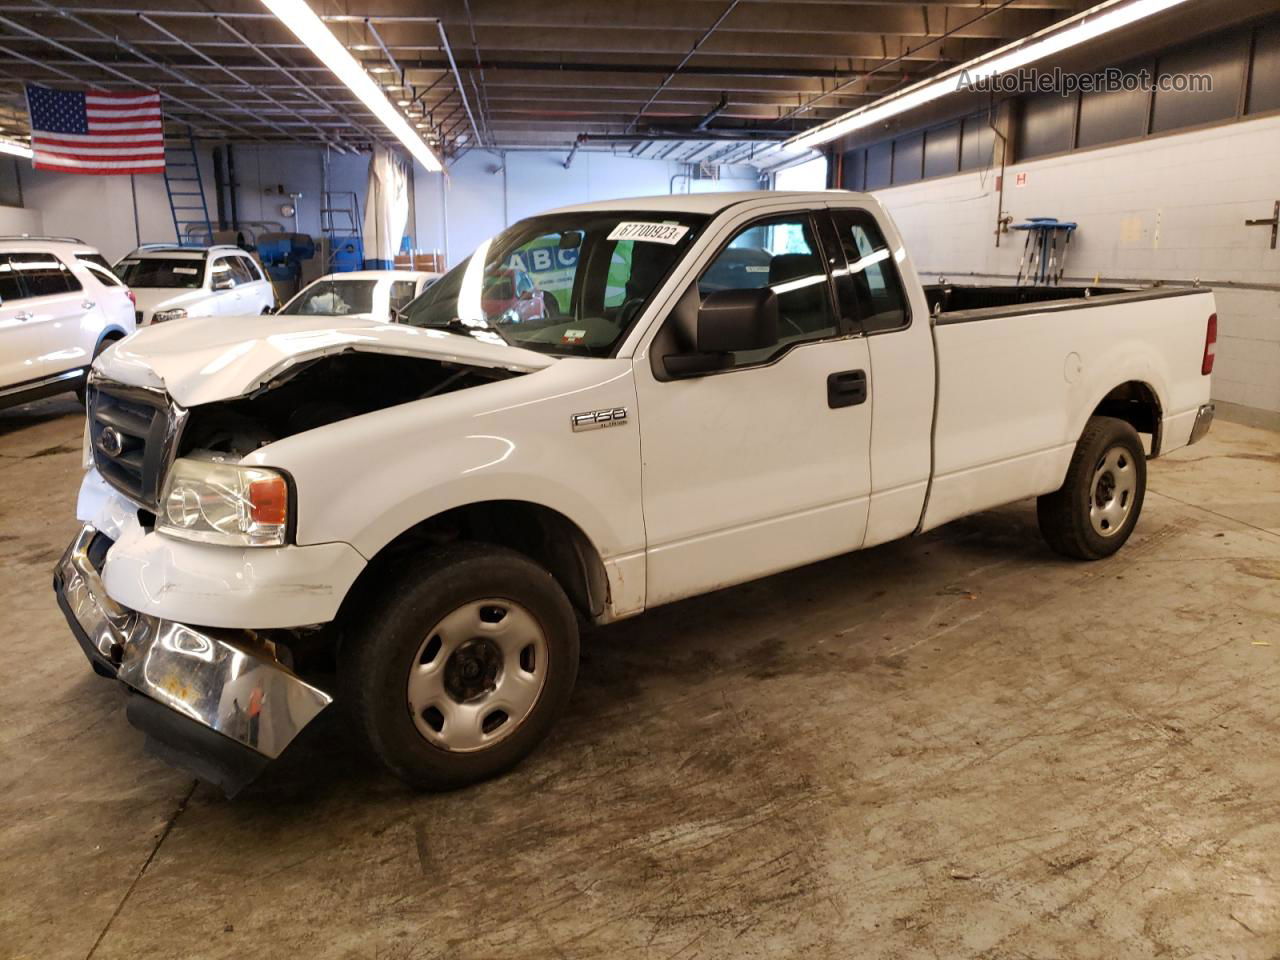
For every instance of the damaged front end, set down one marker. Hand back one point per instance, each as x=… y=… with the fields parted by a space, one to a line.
x=218 y=703
x=203 y=628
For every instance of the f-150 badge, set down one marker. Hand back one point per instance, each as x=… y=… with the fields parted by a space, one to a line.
x=594 y=419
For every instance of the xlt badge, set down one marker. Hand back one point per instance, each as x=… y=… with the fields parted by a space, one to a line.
x=594 y=419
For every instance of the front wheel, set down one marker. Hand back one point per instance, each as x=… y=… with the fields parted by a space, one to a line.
x=1095 y=510
x=461 y=665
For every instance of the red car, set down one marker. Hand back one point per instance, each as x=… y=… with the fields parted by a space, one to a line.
x=514 y=290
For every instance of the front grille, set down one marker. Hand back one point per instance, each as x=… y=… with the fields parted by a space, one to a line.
x=133 y=432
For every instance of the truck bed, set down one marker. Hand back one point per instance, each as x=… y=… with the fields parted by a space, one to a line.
x=962 y=298
x=1017 y=379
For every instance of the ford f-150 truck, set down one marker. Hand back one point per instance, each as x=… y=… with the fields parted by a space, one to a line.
x=425 y=511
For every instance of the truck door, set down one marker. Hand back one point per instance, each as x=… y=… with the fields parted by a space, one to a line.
x=763 y=465
x=874 y=286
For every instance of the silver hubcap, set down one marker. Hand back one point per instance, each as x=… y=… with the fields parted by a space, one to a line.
x=1115 y=481
x=477 y=675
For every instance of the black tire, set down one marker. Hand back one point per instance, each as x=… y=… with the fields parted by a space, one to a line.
x=1065 y=514
x=378 y=654
x=105 y=342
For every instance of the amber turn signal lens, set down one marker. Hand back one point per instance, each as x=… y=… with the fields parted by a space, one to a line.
x=269 y=501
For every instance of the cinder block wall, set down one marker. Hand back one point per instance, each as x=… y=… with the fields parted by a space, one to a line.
x=1167 y=208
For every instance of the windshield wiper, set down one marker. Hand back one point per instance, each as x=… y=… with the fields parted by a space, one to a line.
x=457 y=325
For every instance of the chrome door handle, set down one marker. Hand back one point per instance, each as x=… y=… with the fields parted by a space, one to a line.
x=87 y=304
x=23 y=316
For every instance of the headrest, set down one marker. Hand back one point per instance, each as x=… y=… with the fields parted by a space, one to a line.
x=792 y=266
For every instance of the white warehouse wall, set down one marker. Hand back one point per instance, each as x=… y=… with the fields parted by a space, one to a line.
x=1168 y=208
x=486 y=192
x=483 y=193
x=99 y=210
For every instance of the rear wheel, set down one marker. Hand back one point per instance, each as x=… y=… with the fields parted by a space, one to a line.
x=461 y=665
x=1094 y=512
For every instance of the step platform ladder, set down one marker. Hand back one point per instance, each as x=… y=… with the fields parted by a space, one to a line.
x=1042 y=262
x=186 y=193
x=343 y=227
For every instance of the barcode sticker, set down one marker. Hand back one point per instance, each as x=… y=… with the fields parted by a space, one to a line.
x=668 y=233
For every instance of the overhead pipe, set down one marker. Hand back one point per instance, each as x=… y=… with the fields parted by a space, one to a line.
x=568 y=161
x=714 y=112
x=680 y=66
x=457 y=75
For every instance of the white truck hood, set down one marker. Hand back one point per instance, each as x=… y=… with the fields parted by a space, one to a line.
x=217 y=358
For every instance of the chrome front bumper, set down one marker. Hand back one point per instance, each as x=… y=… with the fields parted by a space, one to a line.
x=1204 y=420
x=217 y=702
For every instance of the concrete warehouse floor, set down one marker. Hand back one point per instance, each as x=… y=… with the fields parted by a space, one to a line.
x=953 y=746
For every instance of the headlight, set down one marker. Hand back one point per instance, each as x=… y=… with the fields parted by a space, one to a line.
x=163 y=316
x=212 y=502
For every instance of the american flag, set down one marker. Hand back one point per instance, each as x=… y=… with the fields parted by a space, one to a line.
x=95 y=131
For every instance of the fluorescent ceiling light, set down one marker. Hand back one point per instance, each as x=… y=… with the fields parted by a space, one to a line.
x=307 y=27
x=16 y=149
x=1079 y=29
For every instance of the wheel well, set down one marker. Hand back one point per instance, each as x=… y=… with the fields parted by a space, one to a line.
x=545 y=536
x=1137 y=404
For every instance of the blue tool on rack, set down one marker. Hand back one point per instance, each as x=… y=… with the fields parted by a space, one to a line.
x=1040 y=265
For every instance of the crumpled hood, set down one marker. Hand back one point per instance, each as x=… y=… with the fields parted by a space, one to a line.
x=217 y=358
x=151 y=299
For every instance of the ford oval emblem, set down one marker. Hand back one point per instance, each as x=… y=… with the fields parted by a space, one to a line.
x=111 y=441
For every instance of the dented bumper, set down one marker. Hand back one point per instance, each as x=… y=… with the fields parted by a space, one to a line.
x=215 y=702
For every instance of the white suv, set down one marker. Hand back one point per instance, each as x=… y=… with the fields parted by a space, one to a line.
x=60 y=306
x=174 y=283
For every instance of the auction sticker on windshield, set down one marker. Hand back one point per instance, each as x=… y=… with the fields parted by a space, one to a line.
x=669 y=233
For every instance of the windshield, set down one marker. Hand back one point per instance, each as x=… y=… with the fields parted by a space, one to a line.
x=155 y=272
x=333 y=298
x=570 y=283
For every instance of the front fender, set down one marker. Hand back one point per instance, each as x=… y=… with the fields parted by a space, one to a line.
x=365 y=480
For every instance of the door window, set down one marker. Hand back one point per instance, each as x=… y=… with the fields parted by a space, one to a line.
x=401 y=293
x=240 y=270
x=10 y=284
x=97 y=264
x=43 y=274
x=876 y=286
x=250 y=270
x=781 y=253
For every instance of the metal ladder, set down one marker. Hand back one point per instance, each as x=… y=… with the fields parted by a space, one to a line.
x=343 y=230
x=187 y=202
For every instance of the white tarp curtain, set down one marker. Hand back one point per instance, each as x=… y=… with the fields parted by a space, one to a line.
x=386 y=212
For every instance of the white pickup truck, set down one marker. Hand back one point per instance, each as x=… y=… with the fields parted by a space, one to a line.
x=730 y=385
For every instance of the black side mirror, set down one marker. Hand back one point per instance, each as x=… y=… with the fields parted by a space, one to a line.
x=727 y=321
